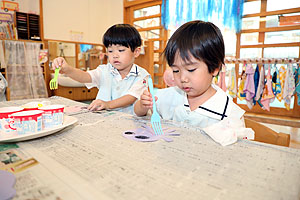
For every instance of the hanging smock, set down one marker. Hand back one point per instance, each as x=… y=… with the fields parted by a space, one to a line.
x=276 y=84
x=289 y=86
x=256 y=82
x=241 y=95
x=260 y=87
x=249 y=87
x=232 y=83
x=268 y=95
x=282 y=74
x=297 y=84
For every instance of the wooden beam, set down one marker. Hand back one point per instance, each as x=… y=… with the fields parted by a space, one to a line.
x=272 y=29
x=294 y=44
x=277 y=12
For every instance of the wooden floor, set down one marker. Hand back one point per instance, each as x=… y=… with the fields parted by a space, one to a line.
x=281 y=124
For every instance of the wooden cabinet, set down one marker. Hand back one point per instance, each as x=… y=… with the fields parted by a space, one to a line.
x=76 y=93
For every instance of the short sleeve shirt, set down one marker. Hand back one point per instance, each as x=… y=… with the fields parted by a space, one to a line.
x=111 y=85
x=172 y=104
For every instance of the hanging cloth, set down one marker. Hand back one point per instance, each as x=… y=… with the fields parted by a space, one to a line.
x=274 y=79
x=222 y=75
x=3 y=86
x=215 y=80
x=249 y=87
x=256 y=82
x=261 y=84
x=2 y=58
x=297 y=84
x=268 y=95
x=289 y=86
x=282 y=74
x=241 y=95
x=278 y=85
x=24 y=72
x=232 y=83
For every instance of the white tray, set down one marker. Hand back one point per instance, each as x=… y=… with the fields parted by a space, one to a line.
x=13 y=137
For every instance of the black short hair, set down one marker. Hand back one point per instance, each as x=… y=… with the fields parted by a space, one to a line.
x=122 y=34
x=202 y=40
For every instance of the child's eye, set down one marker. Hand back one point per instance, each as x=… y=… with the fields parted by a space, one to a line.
x=191 y=70
x=110 y=51
x=121 y=50
x=175 y=71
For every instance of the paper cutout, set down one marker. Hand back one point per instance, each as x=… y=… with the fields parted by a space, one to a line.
x=7 y=181
x=146 y=134
x=74 y=110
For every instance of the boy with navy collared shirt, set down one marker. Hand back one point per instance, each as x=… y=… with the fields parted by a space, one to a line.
x=195 y=53
x=120 y=82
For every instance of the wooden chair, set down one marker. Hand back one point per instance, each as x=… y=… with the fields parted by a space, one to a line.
x=267 y=135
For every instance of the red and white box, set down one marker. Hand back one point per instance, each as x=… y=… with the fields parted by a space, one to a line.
x=4 y=117
x=53 y=115
x=26 y=121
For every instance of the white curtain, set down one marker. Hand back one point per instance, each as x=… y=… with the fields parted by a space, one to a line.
x=24 y=72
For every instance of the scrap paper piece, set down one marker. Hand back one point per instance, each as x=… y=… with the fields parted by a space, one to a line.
x=7 y=182
x=74 y=110
x=146 y=134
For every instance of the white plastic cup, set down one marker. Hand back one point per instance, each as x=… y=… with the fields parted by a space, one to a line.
x=26 y=121
x=5 y=112
x=53 y=115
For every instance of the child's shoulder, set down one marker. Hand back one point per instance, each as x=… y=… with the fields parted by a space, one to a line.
x=141 y=70
x=221 y=100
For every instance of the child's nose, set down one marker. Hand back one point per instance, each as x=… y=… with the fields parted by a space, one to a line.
x=183 y=78
x=115 y=55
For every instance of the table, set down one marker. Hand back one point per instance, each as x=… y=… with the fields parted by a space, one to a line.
x=92 y=160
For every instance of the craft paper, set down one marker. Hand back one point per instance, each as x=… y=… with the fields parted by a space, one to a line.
x=146 y=134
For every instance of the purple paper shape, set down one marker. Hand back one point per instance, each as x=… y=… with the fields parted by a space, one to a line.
x=146 y=134
x=7 y=181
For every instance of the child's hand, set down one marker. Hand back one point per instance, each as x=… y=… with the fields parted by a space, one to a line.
x=98 y=105
x=60 y=62
x=146 y=100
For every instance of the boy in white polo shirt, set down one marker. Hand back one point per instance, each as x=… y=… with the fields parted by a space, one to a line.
x=120 y=82
x=195 y=53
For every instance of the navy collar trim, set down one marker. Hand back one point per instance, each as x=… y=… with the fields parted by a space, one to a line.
x=136 y=71
x=223 y=114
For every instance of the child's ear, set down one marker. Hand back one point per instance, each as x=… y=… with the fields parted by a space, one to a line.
x=137 y=52
x=216 y=72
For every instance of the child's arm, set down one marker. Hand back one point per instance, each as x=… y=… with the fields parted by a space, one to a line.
x=123 y=101
x=145 y=103
x=72 y=72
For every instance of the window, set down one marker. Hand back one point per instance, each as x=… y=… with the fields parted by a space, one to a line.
x=270 y=29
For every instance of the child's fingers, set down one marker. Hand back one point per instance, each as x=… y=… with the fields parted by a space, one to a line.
x=58 y=62
x=93 y=105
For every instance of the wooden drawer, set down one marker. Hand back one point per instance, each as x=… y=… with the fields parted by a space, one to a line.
x=66 y=92
x=76 y=93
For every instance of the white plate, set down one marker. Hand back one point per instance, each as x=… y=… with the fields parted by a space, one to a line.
x=13 y=137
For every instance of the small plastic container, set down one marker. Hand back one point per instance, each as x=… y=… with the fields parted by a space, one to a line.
x=35 y=105
x=4 y=117
x=53 y=115
x=26 y=121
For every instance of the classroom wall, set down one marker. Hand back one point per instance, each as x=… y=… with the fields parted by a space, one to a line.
x=80 y=20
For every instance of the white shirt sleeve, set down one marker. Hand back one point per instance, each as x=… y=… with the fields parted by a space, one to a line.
x=137 y=89
x=96 y=78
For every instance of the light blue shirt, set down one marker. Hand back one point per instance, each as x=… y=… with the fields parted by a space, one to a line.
x=172 y=104
x=111 y=85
